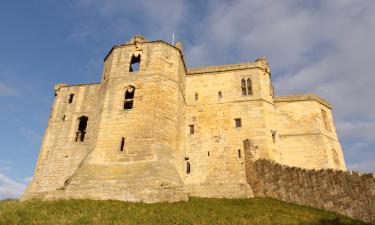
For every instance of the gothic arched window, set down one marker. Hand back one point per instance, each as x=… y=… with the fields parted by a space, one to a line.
x=243 y=87
x=129 y=97
x=249 y=87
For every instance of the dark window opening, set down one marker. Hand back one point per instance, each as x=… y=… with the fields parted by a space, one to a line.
x=237 y=121
x=273 y=136
x=63 y=119
x=208 y=153
x=196 y=96
x=129 y=97
x=243 y=87
x=249 y=87
x=122 y=145
x=135 y=63
x=191 y=128
x=71 y=96
x=239 y=153
x=187 y=167
x=219 y=94
x=80 y=134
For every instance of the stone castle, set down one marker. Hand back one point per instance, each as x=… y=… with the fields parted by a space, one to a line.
x=153 y=130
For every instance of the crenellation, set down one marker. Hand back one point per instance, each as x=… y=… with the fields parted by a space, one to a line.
x=154 y=131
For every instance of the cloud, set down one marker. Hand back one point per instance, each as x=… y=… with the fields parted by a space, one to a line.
x=361 y=156
x=6 y=90
x=10 y=188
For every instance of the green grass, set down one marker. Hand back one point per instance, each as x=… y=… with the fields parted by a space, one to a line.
x=197 y=211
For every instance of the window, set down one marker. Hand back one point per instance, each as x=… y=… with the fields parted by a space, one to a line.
x=325 y=120
x=191 y=129
x=219 y=94
x=122 y=144
x=249 y=87
x=135 y=63
x=71 y=96
x=237 y=122
x=187 y=167
x=196 y=96
x=129 y=97
x=243 y=87
x=63 y=119
x=239 y=153
x=80 y=134
x=273 y=136
x=246 y=87
x=335 y=157
x=208 y=153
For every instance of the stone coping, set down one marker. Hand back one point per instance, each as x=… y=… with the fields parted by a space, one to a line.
x=307 y=97
x=226 y=67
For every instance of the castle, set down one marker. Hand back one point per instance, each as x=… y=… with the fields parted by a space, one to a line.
x=153 y=130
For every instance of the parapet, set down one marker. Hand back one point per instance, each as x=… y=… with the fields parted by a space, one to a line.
x=260 y=63
x=307 y=97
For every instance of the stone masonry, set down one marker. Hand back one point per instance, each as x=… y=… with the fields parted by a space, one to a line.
x=153 y=130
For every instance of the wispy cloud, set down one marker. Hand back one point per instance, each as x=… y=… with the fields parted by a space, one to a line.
x=10 y=188
x=30 y=134
x=7 y=90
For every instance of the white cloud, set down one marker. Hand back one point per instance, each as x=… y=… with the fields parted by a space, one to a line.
x=10 y=188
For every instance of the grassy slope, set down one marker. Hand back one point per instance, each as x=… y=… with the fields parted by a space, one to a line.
x=196 y=211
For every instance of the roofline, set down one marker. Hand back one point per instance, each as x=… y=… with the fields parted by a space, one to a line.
x=306 y=97
x=156 y=41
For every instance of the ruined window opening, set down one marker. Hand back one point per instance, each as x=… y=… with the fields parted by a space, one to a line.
x=219 y=94
x=249 y=87
x=71 y=96
x=80 y=134
x=135 y=63
x=237 y=122
x=243 y=87
x=196 y=96
x=187 y=167
x=239 y=153
x=63 y=119
x=122 y=145
x=129 y=97
x=191 y=128
x=273 y=136
x=325 y=120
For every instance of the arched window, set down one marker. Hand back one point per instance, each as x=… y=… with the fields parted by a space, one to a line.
x=335 y=157
x=249 y=87
x=80 y=134
x=243 y=87
x=135 y=63
x=129 y=97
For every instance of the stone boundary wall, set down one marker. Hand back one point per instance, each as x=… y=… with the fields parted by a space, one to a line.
x=345 y=192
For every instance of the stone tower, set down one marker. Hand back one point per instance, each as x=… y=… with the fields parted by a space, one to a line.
x=153 y=130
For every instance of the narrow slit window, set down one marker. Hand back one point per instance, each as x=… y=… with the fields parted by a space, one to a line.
x=135 y=63
x=71 y=96
x=208 y=153
x=122 y=144
x=249 y=87
x=196 y=96
x=243 y=87
x=63 y=118
x=273 y=136
x=219 y=94
x=239 y=153
x=325 y=120
x=237 y=122
x=191 y=129
x=187 y=167
x=80 y=134
x=129 y=97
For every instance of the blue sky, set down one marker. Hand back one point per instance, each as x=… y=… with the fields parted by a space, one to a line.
x=322 y=47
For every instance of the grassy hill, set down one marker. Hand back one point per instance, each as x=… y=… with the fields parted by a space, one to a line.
x=197 y=211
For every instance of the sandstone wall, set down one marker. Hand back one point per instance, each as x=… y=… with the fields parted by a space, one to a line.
x=345 y=192
x=304 y=139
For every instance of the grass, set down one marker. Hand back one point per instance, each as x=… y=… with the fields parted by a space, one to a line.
x=196 y=211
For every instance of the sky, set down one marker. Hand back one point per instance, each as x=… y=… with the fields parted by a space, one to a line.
x=322 y=47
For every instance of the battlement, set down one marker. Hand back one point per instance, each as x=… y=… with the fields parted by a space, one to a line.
x=306 y=97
